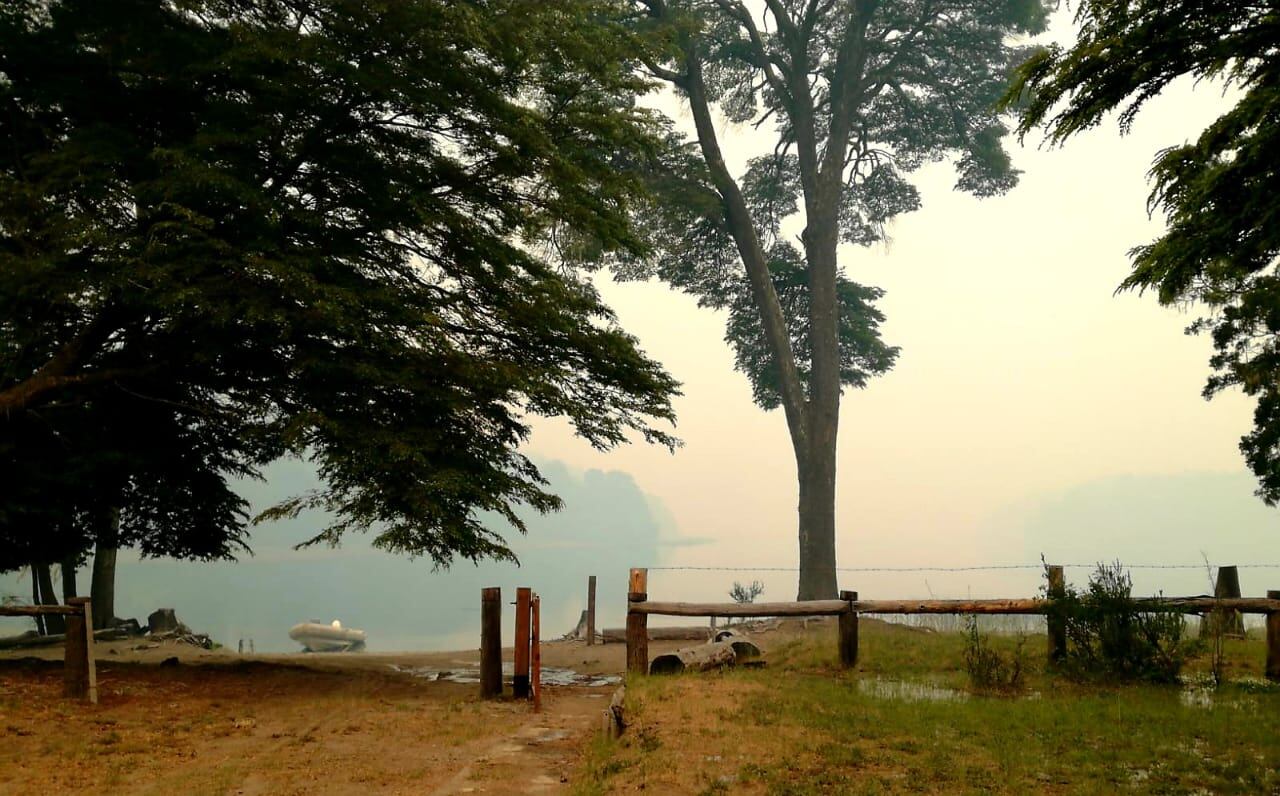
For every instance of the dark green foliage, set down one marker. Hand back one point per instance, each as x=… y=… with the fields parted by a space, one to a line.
x=988 y=668
x=1109 y=638
x=1220 y=193
x=236 y=230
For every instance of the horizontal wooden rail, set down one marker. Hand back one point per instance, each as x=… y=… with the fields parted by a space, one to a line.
x=38 y=610
x=1186 y=605
x=1189 y=605
x=802 y=608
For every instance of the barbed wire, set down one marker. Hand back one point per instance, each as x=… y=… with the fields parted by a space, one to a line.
x=986 y=567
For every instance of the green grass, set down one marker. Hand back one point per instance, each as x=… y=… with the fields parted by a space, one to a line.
x=803 y=726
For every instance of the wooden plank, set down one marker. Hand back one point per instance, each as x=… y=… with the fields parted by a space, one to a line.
x=591 y=610
x=535 y=645
x=37 y=610
x=637 y=623
x=848 y=632
x=805 y=608
x=491 y=642
x=1273 y=640
x=618 y=635
x=520 y=677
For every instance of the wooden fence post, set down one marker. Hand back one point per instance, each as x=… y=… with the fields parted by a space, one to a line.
x=637 y=623
x=491 y=642
x=591 y=610
x=535 y=650
x=1273 y=640
x=849 y=632
x=1056 y=623
x=520 y=677
x=79 y=669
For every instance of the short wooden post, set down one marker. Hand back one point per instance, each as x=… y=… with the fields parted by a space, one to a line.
x=849 y=632
x=535 y=651
x=520 y=678
x=1273 y=640
x=591 y=610
x=79 y=673
x=1055 y=621
x=637 y=623
x=491 y=642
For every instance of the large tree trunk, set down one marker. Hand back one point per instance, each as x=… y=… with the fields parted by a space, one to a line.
x=68 y=567
x=817 y=516
x=103 y=587
x=53 y=623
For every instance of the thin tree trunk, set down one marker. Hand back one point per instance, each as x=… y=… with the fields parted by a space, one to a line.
x=53 y=623
x=103 y=587
x=35 y=600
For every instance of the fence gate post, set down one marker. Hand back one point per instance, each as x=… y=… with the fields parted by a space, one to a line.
x=591 y=610
x=491 y=642
x=637 y=623
x=1056 y=623
x=1273 y=639
x=849 y=632
x=520 y=677
x=1224 y=621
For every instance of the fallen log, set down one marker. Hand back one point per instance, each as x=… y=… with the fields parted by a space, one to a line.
x=619 y=634
x=30 y=639
x=732 y=651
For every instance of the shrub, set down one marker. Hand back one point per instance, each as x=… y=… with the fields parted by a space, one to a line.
x=1110 y=637
x=988 y=669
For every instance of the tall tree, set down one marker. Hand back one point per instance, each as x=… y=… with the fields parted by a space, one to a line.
x=859 y=94
x=232 y=230
x=1220 y=193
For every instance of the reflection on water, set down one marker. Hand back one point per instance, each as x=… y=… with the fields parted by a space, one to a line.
x=908 y=691
x=464 y=673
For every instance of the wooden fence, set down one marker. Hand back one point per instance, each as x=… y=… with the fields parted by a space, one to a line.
x=79 y=671
x=849 y=607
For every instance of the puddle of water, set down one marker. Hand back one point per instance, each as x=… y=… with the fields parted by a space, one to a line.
x=907 y=691
x=471 y=674
x=1199 y=692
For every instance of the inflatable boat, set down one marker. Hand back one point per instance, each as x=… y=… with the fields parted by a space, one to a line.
x=333 y=637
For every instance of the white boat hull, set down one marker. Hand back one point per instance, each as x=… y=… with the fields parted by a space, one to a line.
x=315 y=637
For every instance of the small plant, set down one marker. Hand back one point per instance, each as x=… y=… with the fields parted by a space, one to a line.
x=988 y=669
x=1110 y=637
x=746 y=594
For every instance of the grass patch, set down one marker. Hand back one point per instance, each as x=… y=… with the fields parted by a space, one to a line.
x=906 y=720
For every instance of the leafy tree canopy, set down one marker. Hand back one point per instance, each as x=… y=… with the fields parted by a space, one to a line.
x=1220 y=193
x=232 y=230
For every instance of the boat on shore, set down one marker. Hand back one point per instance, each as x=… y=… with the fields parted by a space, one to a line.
x=333 y=637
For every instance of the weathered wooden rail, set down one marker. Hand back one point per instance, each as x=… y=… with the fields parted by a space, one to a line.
x=849 y=607
x=79 y=671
